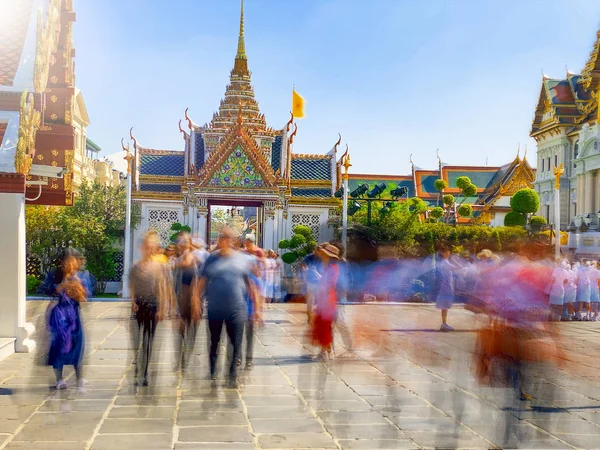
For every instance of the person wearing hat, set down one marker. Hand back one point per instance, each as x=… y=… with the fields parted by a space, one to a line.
x=326 y=300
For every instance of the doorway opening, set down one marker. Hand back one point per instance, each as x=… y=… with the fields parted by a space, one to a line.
x=246 y=217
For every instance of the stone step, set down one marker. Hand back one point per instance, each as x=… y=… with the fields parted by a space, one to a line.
x=7 y=347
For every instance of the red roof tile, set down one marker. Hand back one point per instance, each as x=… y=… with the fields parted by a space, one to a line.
x=13 y=29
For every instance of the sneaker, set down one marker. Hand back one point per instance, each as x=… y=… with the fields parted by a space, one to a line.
x=249 y=365
x=446 y=327
x=213 y=376
x=61 y=385
x=526 y=397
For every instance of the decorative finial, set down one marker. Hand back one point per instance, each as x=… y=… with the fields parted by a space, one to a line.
x=346 y=162
x=182 y=131
x=189 y=121
x=241 y=50
x=437 y=153
x=411 y=162
x=289 y=124
x=338 y=143
x=525 y=153
x=133 y=138
x=128 y=157
x=294 y=133
x=518 y=149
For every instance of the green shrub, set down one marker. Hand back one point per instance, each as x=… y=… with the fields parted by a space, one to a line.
x=470 y=190
x=465 y=210
x=525 y=201
x=440 y=185
x=299 y=245
x=463 y=182
x=448 y=199
x=437 y=212
x=514 y=219
x=33 y=284
x=537 y=222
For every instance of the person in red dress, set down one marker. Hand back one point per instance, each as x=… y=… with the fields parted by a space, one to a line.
x=326 y=300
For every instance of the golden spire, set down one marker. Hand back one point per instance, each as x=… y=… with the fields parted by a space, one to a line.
x=240 y=66
x=241 y=50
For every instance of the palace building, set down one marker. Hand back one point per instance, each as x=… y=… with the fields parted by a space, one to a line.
x=495 y=186
x=566 y=127
x=236 y=160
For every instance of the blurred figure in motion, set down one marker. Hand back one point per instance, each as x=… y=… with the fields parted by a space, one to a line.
x=224 y=282
x=148 y=285
x=445 y=291
x=64 y=321
x=343 y=286
x=311 y=267
x=570 y=293
x=594 y=292
x=189 y=309
x=584 y=291
x=254 y=302
x=556 y=290
x=326 y=300
x=199 y=251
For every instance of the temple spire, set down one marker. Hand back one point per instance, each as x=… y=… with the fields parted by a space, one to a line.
x=241 y=50
x=240 y=66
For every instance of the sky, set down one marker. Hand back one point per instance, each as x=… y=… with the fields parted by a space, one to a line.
x=394 y=77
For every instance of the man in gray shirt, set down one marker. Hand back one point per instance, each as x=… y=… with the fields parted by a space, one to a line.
x=224 y=281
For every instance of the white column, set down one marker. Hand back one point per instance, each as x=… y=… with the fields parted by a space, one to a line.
x=202 y=220
x=269 y=231
x=12 y=273
x=127 y=252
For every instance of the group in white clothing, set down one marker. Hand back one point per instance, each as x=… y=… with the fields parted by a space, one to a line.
x=574 y=291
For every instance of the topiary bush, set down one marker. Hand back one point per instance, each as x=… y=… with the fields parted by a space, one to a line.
x=299 y=245
x=470 y=190
x=463 y=182
x=514 y=219
x=537 y=222
x=440 y=185
x=525 y=201
x=448 y=199
x=465 y=210
x=437 y=212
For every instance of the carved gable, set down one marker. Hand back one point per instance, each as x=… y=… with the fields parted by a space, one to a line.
x=237 y=171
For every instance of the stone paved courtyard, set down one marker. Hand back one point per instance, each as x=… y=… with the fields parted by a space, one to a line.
x=407 y=386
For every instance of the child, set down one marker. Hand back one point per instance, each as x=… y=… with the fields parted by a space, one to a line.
x=66 y=332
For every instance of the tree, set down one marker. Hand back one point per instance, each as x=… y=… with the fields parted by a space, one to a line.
x=448 y=199
x=94 y=225
x=514 y=219
x=44 y=234
x=440 y=185
x=525 y=201
x=299 y=245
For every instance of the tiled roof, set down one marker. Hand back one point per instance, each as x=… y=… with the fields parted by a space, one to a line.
x=311 y=193
x=2 y=131
x=306 y=168
x=276 y=153
x=14 y=22
x=199 y=150
x=168 y=164
x=155 y=187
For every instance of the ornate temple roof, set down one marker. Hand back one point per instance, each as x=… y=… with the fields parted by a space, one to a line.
x=310 y=167
x=161 y=162
x=13 y=30
x=311 y=193
x=571 y=101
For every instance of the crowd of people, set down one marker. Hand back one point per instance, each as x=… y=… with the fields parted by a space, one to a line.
x=230 y=284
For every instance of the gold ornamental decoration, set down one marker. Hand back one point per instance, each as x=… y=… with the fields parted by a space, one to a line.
x=46 y=44
x=29 y=123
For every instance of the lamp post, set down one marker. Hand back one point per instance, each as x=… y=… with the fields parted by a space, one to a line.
x=558 y=171
x=347 y=165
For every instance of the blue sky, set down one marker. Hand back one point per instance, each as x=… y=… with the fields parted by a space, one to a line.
x=394 y=77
